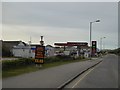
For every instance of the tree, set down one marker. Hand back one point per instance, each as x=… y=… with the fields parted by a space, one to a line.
x=5 y=52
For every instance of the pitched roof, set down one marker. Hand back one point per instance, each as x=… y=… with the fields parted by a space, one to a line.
x=49 y=46
x=10 y=44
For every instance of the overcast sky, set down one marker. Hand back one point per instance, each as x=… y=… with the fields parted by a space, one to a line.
x=60 y=21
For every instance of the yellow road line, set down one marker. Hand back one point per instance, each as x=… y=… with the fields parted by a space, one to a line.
x=83 y=77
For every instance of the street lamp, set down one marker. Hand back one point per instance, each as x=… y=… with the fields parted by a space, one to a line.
x=91 y=35
x=101 y=42
x=29 y=47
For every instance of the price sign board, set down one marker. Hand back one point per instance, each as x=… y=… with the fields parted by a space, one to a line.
x=39 y=54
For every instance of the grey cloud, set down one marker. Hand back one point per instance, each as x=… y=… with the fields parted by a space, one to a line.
x=57 y=14
x=64 y=15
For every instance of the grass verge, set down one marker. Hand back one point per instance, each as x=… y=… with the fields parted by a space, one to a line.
x=33 y=68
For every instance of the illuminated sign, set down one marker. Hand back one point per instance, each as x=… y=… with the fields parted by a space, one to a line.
x=39 y=54
x=94 y=47
x=72 y=44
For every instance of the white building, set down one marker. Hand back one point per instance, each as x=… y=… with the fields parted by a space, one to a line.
x=21 y=50
x=49 y=51
x=74 y=48
x=28 y=51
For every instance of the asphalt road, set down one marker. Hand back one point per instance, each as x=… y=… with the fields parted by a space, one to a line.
x=104 y=75
x=47 y=78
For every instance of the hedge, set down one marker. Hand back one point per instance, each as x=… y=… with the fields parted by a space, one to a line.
x=57 y=58
x=10 y=64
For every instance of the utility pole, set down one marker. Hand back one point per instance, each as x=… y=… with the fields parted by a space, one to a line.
x=29 y=48
x=101 y=43
x=42 y=44
x=91 y=36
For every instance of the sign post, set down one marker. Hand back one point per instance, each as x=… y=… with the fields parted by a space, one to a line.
x=40 y=53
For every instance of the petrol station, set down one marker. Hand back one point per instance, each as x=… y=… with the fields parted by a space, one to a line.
x=79 y=46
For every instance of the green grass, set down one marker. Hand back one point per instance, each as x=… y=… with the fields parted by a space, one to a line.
x=33 y=68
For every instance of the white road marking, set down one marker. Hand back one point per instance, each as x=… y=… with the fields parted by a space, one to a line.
x=84 y=76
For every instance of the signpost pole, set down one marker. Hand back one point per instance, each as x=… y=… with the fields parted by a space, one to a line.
x=39 y=53
x=41 y=43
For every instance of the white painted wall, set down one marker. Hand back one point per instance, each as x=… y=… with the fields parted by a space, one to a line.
x=21 y=52
x=50 y=51
x=67 y=52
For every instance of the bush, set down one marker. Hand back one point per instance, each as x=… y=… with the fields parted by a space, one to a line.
x=6 y=52
x=64 y=57
x=115 y=51
x=57 y=58
x=11 y=64
x=51 y=59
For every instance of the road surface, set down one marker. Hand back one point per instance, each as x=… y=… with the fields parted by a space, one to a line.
x=48 y=78
x=104 y=75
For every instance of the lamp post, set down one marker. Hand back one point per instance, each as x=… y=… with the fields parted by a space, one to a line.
x=91 y=36
x=29 y=48
x=101 y=42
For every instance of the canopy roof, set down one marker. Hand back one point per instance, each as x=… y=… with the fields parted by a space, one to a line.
x=72 y=44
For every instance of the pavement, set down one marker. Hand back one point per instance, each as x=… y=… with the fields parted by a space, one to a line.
x=48 y=78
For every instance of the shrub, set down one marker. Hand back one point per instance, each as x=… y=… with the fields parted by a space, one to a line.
x=57 y=58
x=10 y=64
x=51 y=59
x=64 y=57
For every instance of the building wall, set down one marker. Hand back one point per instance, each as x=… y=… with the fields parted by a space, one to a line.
x=24 y=51
x=21 y=52
x=49 y=52
x=33 y=51
x=0 y=49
